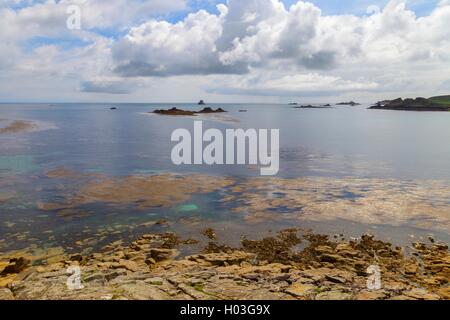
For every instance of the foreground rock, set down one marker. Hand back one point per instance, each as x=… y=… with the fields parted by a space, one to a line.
x=16 y=265
x=180 y=112
x=266 y=269
x=418 y=104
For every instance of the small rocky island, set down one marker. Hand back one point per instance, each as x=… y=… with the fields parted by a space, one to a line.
x=180 y=112
x=351 y=103
x=309 y=106
x=418 y=104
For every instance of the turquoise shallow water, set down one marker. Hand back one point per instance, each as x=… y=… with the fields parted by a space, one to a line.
x=17 y=164
x=91 y=138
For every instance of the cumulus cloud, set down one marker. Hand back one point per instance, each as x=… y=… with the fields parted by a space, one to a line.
x=261 y=33
x=159 y=48
x=246 y=34
x=35 y=43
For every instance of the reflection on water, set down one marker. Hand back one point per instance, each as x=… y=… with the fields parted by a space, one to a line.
x=100 y=174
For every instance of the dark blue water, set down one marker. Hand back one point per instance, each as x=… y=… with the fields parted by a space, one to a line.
x=91 y=138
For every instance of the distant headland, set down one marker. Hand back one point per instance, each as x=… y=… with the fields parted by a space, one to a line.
x=441 y=103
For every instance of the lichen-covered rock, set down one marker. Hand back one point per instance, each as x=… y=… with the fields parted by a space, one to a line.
x=129 y=265
x=6 y=294
x=421 y=294
x=163 y=254
x=370 y=295
x=334 y=295
x=223 y=259
x=301 y=290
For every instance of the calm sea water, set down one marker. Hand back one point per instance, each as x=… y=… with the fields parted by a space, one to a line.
x=340 y=142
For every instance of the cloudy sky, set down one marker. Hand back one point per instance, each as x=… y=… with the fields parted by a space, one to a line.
x=223 y=51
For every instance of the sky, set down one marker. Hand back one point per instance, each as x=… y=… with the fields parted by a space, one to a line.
x=226 y=51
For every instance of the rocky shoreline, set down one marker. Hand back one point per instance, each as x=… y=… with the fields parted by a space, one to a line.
x=293 y=264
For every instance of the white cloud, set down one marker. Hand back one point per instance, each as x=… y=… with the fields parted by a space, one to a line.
x=159 y=48
x=32 y=39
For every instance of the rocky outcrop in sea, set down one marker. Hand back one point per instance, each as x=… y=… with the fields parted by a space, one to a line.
x=180 y=112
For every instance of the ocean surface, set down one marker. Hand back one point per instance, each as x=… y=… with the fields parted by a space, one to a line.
x=337 y=144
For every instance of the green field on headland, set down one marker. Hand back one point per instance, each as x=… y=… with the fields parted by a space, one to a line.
x=441 y=103
x=444 y=100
